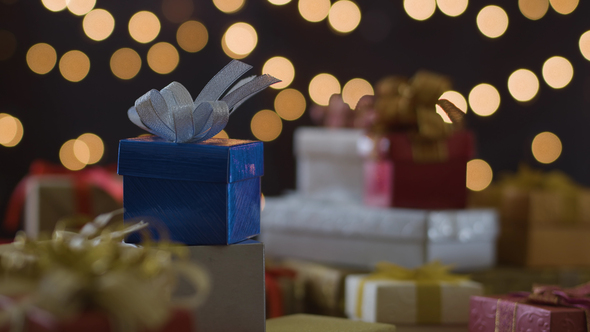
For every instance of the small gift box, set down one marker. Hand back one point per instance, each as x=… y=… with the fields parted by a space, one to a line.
x=204 y=190
x=313 y=323
x=395 y=295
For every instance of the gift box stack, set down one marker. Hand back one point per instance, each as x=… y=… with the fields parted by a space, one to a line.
x=384 y=183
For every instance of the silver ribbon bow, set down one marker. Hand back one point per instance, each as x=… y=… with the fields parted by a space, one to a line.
x=172 y=114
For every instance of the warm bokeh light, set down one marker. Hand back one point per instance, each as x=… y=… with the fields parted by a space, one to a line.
x=344 y=16
x=420 y=10
x=314 y=10
x=163 y=58
x=564 y=7
x=290 y=104
x=98 y=24
x=585 y=44
x=546 y=147
x=523 y=85
x=177 y=11
x=228 y=52
x=479 y=175
x=492 y=21
x=322 y=87
x=229 y=6
x=144 y=26
x=11 y=130
x=240 y=38
x=279 y=2
x=354 y=89
x=80 y=7
x=94 y=145
x=557 y=72
x=452 y=8
x=125 y=63
x=192 y=36
x=533 y=9
x=484 y=99
x=74 y=66
x=266 y=125
x=82 y=151
x=67 y=156
x=41 y=58
x=221 y=134
x=280 y=68
x=454 y=97
x=7 y=44
x=54 y=5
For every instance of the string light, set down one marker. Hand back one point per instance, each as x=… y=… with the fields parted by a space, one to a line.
x=221 y=134
x=492 y=21
x=229 y=6
x=74 y=66
x=80 y=7
x=94 y=146
x=557 y=72
x=98 y=24
x=266 y=125
x=11 y=130
x=484 y=99
x=281 y=68
x=420 y=10
x=564 y=7
x=68 y=157
x=454 y=97
x=240 y=38
x=314 y=10
x=279 y=2
x=290 y=104
x=322 y=87
x=479 y=175
x=452 y=8
x=533 y=9
x=355 y=89
x=163 y=58
x=54 y=5
x=41 y=58
x=125 y=63
x=344 y=16
x=523 y=85
x=192 y=36
x=144 y=26
x=546 y=147
x=584 y=44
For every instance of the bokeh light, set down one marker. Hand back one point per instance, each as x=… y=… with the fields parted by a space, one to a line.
x=192 y=36
x=82 y=151
x=492 y=21
x=74 y=66
x=479 y=175
x=279 y=2
x=452 y=8
x=564 y=7
x=533 y=9
x=354 y=89
x=344 y=16
x=41 y=58
x=7 y=44
x=177 y=11
x=322 y=87
x=585 y=44
x=54 y=5
x=144 y=26
x=420 y=10
x=240 y=39
x=80 y=7
x=290 y=104
x=484 y=99
x=228 y=52
x=314 y=10
x=11 y=130
x=68 y=157
x=546 y=147
x=94 y=146
x=98 y=24
x=280 y=68
x=125 y=63
x=262 y=202
x=266 y=125
x=557 y=72
x=523 y=85
x=163 y=58
x=221 y=134
x=229 y=6
x=454 y=97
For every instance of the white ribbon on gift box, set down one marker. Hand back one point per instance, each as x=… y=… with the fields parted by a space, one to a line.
x=172 y=114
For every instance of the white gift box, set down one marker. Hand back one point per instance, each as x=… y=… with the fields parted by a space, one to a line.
x=328 y=164
x=395 y=301
x=360 y=236
x=236 y=301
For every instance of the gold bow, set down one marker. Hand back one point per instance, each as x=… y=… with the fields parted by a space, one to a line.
x=427 y=278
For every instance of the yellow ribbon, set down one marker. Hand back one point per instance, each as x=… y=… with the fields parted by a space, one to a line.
x=427 y=278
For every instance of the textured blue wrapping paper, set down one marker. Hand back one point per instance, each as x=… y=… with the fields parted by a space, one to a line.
x=203 y=193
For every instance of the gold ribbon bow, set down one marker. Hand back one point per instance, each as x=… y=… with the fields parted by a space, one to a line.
x=427 y=277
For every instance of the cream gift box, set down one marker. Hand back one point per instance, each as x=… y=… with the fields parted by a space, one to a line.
x=400 y=302
x=328 y=164
x=360 y=236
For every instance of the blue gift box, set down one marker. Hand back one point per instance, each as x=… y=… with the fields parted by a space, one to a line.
x=204 y=193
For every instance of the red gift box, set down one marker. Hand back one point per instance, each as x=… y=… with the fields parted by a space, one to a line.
x=410 y=174
x=510 y=313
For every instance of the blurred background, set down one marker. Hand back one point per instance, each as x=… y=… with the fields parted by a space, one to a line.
x=69 y=70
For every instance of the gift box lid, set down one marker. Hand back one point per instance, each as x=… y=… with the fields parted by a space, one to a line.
x=214 y=160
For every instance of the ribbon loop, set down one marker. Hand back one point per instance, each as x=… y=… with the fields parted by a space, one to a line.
x=172 y=115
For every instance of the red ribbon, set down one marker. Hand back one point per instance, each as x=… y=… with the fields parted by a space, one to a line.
x=95 y=176
x=274 y=294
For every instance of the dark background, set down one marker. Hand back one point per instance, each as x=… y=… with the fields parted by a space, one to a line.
x=54 y=110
